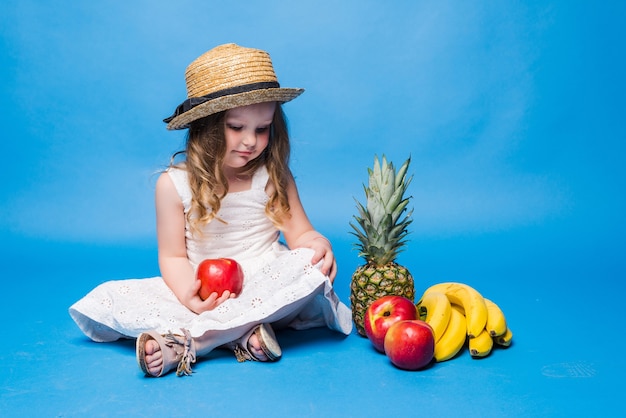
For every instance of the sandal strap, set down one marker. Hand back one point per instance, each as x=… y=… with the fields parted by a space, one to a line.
x=241 y=354
x=188 y=356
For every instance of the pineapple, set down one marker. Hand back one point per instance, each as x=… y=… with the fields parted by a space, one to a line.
x=381 y=237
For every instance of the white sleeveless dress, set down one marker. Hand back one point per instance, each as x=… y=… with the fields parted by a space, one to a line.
x=281 y=286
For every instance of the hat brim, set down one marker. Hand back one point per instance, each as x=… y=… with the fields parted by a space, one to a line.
x=232 y=101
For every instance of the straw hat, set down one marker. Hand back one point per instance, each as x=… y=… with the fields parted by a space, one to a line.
x=226 y=77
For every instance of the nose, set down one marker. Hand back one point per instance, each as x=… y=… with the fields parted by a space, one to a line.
x=249 y=139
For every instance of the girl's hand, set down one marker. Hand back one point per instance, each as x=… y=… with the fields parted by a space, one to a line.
x=323 y=251
x=197 y=305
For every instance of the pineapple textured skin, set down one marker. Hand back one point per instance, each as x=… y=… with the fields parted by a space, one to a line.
x=371 y=282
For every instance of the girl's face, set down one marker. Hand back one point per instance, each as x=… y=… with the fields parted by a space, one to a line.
x=247 y=132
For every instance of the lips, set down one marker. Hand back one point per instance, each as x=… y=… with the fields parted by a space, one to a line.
x=245 y=153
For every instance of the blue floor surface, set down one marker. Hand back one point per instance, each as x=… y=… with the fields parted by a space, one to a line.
x=564 y=309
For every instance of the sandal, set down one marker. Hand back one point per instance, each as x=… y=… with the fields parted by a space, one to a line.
x=267 y=338
x=178 y=351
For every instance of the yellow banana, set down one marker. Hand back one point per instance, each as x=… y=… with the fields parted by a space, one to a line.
x=472 y=302
x=481 y=345
x=453 y=338
x=496 y=322
x=505 y=339
x=434 y=308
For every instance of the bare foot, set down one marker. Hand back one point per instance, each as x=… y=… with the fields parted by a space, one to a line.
x=254 y=346
x=154 y=357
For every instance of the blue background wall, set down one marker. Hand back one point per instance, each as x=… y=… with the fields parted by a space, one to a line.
x=512 y=113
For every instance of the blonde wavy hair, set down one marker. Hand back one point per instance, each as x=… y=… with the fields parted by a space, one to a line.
x=205 y=151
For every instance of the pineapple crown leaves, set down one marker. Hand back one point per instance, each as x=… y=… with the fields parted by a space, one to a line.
x=383 y=231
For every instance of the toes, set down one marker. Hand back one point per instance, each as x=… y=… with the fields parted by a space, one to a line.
x=259 y=354
x=154 y=368
x=151 y=347
x=254 y=346
x=153 y=357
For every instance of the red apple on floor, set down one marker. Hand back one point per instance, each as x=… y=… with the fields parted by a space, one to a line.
x=410 y=345
x=218 y=275
x=383 y=313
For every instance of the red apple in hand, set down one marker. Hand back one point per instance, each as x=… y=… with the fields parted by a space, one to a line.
x=383 y=313
x=218 y=275
x=410 y=345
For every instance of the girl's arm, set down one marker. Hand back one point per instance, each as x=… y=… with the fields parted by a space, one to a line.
x=299 y=232
x=175 y=267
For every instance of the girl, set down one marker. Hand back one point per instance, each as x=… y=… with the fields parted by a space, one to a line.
x=231 y=198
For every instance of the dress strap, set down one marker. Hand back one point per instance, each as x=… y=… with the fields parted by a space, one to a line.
x=260 y=178
x=181 y=183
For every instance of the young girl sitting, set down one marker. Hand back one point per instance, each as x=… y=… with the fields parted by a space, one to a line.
x=232 y=197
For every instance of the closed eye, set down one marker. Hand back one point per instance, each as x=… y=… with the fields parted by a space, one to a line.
x=235 y=128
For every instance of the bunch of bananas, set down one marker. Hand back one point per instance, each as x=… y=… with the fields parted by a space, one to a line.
x=457 y=312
